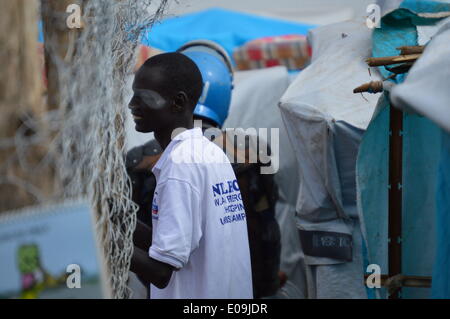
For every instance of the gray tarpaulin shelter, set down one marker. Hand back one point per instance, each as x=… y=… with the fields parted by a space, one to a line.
x=255 y=105
x=325 y=122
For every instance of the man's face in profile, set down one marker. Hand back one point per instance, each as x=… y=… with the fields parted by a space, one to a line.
x=150 y=110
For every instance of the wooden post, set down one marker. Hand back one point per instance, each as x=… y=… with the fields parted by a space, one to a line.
x=395 y=195
x=21 y=96
x=389 y=60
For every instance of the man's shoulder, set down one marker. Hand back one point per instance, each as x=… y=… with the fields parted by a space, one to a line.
x=199 y=152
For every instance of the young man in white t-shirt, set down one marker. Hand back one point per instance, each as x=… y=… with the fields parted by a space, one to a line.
x=199 y=243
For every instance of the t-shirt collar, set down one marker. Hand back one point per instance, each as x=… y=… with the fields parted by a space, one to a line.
x=195 y=132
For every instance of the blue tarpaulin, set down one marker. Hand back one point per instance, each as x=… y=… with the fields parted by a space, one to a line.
x=441 y=270
x=228 y=28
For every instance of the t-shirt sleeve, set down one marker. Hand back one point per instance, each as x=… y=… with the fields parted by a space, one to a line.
x=178 y=230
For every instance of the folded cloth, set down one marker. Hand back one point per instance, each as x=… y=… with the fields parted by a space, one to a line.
x=292 y=51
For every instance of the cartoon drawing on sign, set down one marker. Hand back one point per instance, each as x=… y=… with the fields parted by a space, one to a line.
x=34 y=278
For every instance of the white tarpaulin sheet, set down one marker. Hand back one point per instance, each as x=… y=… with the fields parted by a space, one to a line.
x=325 y=122
x=425 y=94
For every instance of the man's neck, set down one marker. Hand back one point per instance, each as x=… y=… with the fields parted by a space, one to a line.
x=165 y=137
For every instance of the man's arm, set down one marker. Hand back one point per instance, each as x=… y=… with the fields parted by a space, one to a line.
x=150 y=270
x=142 y=236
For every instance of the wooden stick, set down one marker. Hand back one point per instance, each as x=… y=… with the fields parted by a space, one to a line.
x=371 y=87
x=389 y=60
x=407 y=281
x=415 y=49
x=402 y=68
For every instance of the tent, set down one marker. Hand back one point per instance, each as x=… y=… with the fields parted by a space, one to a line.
x=325 y=122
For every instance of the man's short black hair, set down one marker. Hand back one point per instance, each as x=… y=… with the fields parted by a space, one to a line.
x=178 y=73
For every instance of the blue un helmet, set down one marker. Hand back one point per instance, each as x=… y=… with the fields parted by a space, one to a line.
x=217 y=73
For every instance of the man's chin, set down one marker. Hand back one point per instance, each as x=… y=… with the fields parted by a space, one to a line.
x=141 y=129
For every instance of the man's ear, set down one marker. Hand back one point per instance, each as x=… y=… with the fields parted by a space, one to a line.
x=180 y=102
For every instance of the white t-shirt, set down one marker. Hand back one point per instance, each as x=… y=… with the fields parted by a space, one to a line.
x=199 y=222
